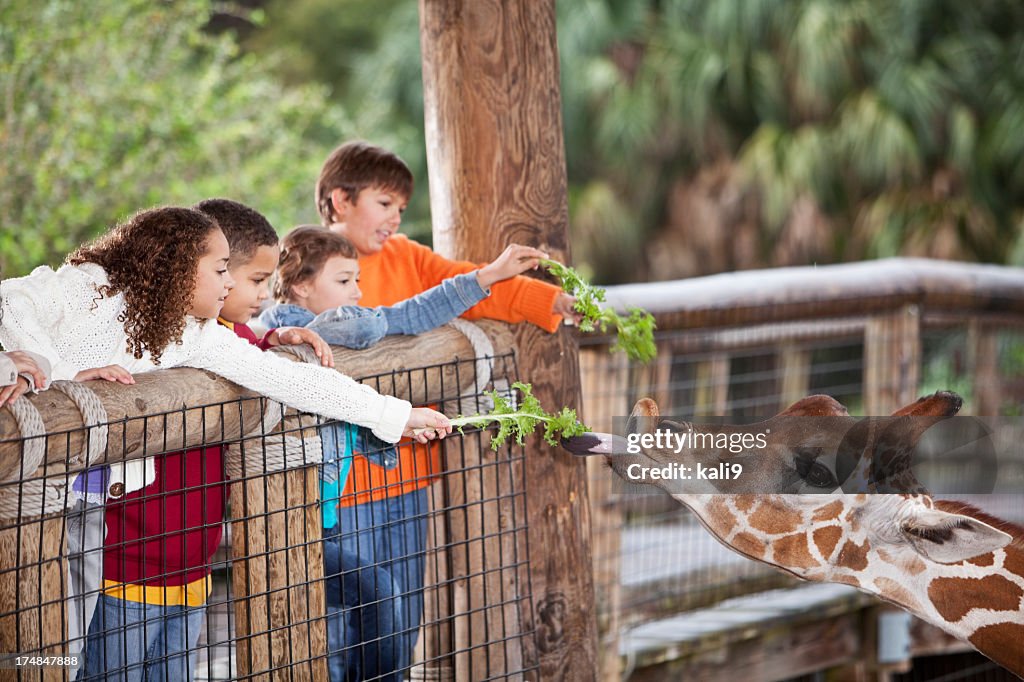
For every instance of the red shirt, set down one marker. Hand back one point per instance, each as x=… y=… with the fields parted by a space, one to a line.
x=166 y=533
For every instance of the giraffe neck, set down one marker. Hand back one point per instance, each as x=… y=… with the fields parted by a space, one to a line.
x=980 y=600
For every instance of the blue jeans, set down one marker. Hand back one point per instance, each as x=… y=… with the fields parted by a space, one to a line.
x=362 y=611
x=131 y=641
x=392 y=534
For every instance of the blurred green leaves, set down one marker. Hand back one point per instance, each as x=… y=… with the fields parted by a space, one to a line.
x=110 y=106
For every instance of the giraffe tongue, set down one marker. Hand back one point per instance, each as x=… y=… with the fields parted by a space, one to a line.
x=595 y=444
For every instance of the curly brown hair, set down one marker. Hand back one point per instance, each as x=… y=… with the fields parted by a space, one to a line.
x=304 y=251
x=151 y=259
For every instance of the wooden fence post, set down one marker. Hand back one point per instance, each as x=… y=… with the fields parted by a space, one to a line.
x=892 y=360
x=497 y=176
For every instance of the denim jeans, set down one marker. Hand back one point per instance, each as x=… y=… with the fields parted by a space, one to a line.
x=362 y=611
x=130 y=641
x=391 y=533
x=86 y=530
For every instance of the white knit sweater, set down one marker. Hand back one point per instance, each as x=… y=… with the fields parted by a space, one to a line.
x=62 y=316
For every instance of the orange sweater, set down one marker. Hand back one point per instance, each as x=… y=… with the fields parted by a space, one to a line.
x=402 y=269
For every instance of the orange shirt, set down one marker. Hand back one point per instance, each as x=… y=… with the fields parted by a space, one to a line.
x=402 y=269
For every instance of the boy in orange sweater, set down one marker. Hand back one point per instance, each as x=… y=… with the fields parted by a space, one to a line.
x=361 y=194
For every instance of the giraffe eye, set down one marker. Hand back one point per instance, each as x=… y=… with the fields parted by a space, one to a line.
x=815 y=473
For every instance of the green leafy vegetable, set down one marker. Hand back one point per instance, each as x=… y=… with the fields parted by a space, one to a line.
x=635 y=333
x=521 y=422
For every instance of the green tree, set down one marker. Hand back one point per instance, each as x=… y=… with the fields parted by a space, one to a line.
x=115 y=105
x=813 y=130
x=705 y=135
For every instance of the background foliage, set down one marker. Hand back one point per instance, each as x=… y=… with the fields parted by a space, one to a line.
x=114 y=105
x=701 y=135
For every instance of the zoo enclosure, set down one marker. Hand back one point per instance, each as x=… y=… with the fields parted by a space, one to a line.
x=875 y=335
x=266 y=615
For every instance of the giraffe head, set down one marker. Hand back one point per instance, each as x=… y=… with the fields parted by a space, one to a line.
x=816 y=536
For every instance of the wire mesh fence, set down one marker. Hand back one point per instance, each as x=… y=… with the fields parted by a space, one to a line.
x=241 y=540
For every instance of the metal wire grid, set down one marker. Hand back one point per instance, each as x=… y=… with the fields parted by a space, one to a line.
x=477 y=564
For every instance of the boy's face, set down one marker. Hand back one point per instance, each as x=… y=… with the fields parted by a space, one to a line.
x=336 y=284
x=213 y=281
x=368 y=221
x=252 y=285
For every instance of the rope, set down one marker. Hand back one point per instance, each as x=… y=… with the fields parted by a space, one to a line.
x=276 y=452
x=483 y=350
x=47 y=495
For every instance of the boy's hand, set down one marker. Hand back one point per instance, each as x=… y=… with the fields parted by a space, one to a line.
x=426 y=424
x=115 y=373
x=514 y=260
x=293 y=336
x=565 y=305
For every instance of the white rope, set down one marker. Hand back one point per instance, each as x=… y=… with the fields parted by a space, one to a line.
x=47 y=495
x=261 y=452
x=483 y=351
x=94 y=419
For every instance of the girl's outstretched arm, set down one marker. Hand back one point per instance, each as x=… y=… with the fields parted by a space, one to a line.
x=305 y=387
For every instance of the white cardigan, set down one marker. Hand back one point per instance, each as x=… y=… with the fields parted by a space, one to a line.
x=62 y=316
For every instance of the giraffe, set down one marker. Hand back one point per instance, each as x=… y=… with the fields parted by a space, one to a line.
x=946 y=562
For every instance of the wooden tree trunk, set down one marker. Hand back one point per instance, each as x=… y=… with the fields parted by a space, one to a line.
x=497 y=176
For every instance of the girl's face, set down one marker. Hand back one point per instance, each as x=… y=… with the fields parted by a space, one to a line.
x=213 y=282
x=336 y=284
x=252 y=285
x=369 y=220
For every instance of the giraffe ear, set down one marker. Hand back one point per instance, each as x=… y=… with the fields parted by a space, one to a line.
x=951 y=538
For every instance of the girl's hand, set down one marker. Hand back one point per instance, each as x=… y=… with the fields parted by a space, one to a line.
x=426 y=424
x=110 y=373
x=514 y=260
x=564 y=305
x=293 y=336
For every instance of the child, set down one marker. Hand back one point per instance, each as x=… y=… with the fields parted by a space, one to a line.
x=317 y=283
x=360 y=194
x=143 y=296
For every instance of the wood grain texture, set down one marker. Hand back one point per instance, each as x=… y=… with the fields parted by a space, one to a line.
x=171 y=394
x=32 y=596
x=277 y=575
x=497 y=176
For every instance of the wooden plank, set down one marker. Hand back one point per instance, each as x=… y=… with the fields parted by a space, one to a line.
x=892 y=360
x=32 y=594
x=772 y=654
x=868 y=288
x=983 y=368
x=277 y=574
x=711 y=393
x=497 y=176
x=794 y=374
x=178 y=393
x=604 y=381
